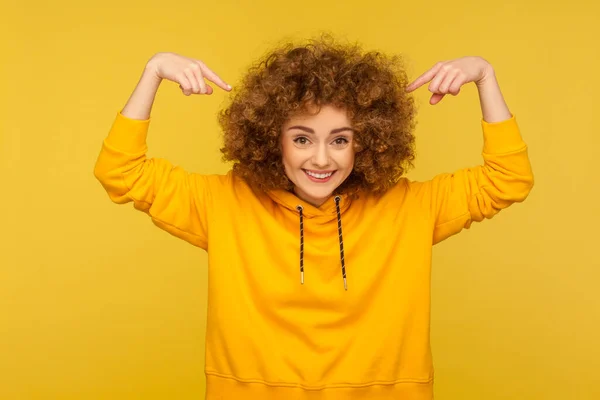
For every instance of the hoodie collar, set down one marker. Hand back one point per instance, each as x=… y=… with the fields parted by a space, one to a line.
x=327 y=210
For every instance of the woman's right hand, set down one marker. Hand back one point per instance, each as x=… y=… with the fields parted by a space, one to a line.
x=189 y=73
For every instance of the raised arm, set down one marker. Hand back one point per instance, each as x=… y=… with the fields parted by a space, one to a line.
x=175 y=199
x=473 y=194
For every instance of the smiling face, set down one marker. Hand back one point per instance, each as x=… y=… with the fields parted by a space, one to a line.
x=318 y=152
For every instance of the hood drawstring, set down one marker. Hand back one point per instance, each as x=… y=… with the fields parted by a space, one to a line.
x=339 y=218
x=339 y=221
x=300 y=209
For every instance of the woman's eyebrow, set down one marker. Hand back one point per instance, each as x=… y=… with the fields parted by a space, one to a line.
x=309 y=130
x=338 y=130
x=302 y=128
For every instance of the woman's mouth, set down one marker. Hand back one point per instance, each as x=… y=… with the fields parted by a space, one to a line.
x=319 y=176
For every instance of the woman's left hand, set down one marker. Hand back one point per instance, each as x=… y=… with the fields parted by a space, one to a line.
x=447 y=77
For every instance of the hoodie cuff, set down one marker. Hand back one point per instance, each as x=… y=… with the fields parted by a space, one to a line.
x=502 y=137
x=128 y=135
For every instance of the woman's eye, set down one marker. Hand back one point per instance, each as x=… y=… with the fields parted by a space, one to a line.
x=302 y=141
x=340 y=141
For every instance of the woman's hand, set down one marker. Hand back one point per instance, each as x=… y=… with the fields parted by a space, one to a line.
x=447 y=77
x=189 y=73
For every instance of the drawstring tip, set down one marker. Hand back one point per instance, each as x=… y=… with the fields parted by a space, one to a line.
x=345 y=284
x=302 y=277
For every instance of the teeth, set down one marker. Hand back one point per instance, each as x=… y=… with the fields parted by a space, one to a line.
x=319 y=176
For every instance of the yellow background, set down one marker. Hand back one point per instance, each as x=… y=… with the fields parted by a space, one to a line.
x=97 y=303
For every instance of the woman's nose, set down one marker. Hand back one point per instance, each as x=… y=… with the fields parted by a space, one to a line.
x=321 y=157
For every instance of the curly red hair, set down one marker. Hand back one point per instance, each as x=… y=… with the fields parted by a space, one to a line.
x=370 y=86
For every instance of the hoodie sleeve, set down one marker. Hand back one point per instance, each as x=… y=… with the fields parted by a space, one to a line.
x=172 y=197
x=474 y=194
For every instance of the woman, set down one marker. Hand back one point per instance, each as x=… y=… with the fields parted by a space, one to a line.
x=319 y=249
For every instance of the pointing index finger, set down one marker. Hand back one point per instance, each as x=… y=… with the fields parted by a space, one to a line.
x=424 y=78
x=211 y=76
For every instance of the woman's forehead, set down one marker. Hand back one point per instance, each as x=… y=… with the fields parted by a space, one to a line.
x=324 y=115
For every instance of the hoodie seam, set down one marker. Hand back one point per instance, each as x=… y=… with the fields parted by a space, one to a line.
x=322 y=387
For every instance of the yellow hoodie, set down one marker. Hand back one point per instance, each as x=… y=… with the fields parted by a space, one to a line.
x=270 y=336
